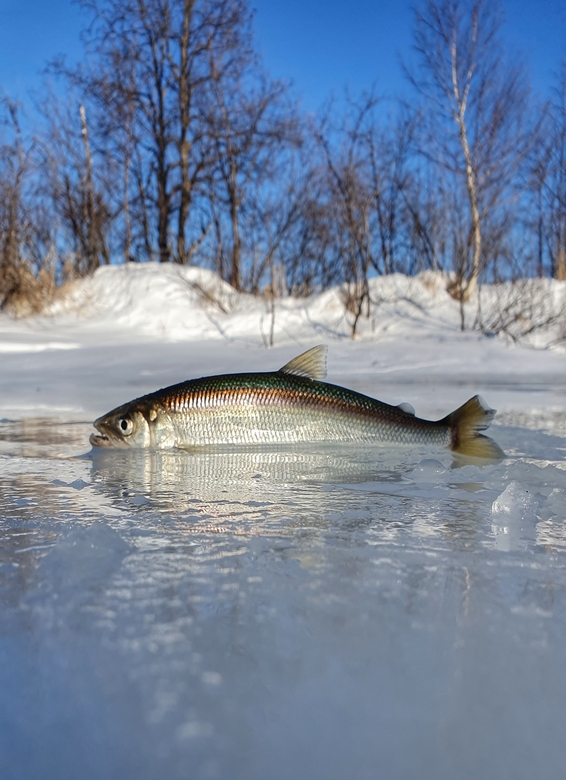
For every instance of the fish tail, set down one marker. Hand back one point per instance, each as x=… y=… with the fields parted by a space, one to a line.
x=465 y=424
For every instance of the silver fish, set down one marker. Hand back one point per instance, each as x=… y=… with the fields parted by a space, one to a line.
x=285 y=407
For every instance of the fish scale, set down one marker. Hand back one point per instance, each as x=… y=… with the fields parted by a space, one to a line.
x=288 y=406
x=282 y=408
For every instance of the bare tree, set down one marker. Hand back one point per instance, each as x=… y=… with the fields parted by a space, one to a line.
x=425 y=208
x=351 y=201
x=27 y=242
x=367 y=170
x=94 y=213
x=79 y=183
x=12 y=172
x=250 y=128
x=548 y=186
x=305 y=227
x=149 y=81
x=273 y=217
x=476 y=129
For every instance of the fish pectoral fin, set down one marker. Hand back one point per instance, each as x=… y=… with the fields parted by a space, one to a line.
x=311 y=364
x=407 y=408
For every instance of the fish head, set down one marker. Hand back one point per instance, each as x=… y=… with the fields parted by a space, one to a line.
x=134 y=425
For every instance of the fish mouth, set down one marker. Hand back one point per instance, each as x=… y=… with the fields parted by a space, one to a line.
x=99 y=440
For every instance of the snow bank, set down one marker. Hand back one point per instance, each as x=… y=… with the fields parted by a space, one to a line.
x=178 y=303
x=131 y=329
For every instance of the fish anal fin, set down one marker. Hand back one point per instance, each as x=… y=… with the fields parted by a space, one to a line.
x=465 y=424
x=311 y=364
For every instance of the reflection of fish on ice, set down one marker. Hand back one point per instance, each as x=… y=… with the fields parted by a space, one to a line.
x=177 y=478
x=219 y=470
x=288 y=406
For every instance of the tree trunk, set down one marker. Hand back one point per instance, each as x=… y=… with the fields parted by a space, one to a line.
x=465 y=283
x=91 y=227
x=163 y=215
x=236 y=248
x=185 y=95
x=468 y=284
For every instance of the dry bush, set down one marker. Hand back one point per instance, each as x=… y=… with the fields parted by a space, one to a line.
x=211 y=297
x=22 y=293
x=524 y=308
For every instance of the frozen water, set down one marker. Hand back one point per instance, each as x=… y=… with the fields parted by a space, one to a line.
x=286 y=614
x=513 y=513
x=515 y=505
x=276 y=614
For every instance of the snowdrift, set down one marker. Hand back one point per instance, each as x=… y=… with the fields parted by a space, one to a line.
x=177 y=303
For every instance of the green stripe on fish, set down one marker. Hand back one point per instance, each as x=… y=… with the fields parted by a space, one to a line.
x=285 y=407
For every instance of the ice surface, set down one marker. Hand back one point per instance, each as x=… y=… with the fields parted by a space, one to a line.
x=314 y=613
x=321 y=612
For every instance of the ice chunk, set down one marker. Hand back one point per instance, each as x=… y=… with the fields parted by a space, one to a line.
x=515 y=503
x=513 y=515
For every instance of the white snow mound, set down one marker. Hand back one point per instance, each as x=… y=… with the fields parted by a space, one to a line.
x=178 y=303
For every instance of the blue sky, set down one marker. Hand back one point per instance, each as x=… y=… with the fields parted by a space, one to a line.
x=322 y=45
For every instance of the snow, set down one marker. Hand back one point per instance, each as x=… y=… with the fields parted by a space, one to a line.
x=320 y=612
x=133 y=328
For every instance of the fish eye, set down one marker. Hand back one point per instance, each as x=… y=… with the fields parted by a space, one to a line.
x=126 y=426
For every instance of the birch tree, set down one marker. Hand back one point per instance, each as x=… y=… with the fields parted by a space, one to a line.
x=476 y=129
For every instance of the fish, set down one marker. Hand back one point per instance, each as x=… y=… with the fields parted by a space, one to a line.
x=288 y=406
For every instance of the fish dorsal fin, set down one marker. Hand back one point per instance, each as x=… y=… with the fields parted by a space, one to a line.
x=311 y=364
x=407 y=408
